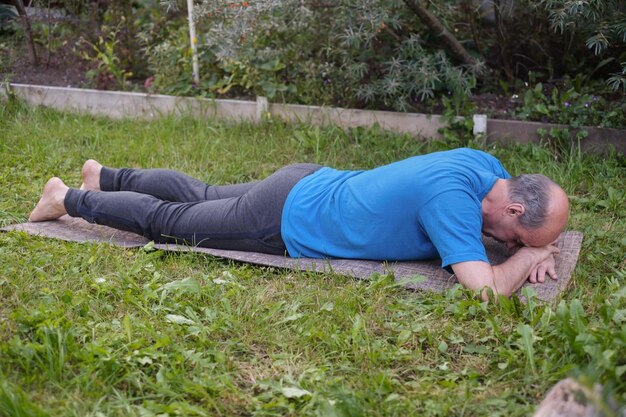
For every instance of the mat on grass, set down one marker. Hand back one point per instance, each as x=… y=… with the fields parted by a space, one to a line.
x=426 y=275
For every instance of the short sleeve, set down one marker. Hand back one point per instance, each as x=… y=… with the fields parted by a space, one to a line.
x=453 y=223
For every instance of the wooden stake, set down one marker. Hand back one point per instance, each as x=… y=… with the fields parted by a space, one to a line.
x=194 y=40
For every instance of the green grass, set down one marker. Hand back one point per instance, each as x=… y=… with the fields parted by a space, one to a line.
x=95 y=330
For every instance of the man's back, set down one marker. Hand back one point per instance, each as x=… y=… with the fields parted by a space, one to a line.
x=386 y=213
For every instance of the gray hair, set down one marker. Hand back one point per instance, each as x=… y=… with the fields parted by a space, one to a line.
x=533 y=192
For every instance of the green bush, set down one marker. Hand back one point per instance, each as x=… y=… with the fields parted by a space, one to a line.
x=168 y=58
x=358 y=55
x=601 y=25
x=378 y=54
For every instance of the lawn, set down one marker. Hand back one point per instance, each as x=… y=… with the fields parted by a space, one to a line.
x=95 y=330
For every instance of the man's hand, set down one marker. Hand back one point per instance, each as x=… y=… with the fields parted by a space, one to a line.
x=538 y=273
x=538 y=256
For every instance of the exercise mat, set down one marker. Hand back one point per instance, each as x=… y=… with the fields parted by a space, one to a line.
x=424 y=275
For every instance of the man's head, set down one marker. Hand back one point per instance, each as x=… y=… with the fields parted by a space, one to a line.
x=527 y=210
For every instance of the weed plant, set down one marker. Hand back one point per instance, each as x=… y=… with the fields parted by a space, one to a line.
x=571 y=107
x=96 y=330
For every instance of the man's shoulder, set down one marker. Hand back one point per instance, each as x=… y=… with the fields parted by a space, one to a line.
x=480 y=161
x=474 y=153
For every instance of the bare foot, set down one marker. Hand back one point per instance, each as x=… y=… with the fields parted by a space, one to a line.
x=51 y=205
x=91 y=175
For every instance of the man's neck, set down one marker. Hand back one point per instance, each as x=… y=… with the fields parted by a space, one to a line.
x=495 y=199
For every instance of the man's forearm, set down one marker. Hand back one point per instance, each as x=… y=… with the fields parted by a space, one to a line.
x=505 y=278
x=510 y=275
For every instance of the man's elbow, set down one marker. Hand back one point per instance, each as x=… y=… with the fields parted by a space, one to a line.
x=480 y=277
x=488 y=293
x=486 y=288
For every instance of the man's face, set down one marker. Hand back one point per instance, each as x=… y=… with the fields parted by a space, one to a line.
x=506 y=235
x=515 y=236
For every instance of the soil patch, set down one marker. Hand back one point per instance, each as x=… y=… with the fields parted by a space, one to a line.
x=60 y=69
x=65 y=68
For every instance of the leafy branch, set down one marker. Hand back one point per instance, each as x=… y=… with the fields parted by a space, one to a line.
x=455 y=48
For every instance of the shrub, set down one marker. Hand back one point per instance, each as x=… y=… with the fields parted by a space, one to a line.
x=379 y=54
x=364 y=54
x=168 y=57
x=601 y=25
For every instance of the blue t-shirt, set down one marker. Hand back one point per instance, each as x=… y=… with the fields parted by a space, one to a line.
x=423 y=207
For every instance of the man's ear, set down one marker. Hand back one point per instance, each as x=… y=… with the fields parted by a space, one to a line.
x=515 y=209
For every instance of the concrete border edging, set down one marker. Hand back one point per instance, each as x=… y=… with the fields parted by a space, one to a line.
x=121 y=104
x=597 y=139
x=118 y=104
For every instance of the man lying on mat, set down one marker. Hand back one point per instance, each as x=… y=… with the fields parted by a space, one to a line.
x=423 y=207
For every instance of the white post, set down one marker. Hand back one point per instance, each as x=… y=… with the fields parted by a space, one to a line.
x=480 y=124
x=194 y=41
x=262 y=106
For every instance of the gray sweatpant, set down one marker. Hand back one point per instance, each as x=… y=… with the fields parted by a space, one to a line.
x=167 y=206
